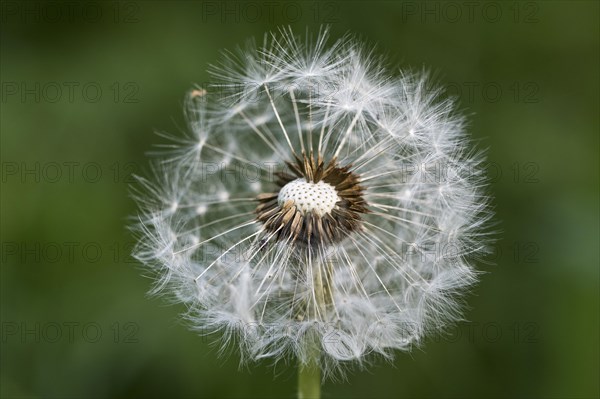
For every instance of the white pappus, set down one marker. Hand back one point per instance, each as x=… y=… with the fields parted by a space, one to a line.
x=318 y=208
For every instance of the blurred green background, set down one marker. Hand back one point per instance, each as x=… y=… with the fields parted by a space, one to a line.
x=84 y=85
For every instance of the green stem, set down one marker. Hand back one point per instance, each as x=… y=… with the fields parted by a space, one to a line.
x=309 y=373
x=309 y=381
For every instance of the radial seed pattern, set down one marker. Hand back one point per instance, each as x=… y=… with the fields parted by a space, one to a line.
x=307 y=197
x=318 y=203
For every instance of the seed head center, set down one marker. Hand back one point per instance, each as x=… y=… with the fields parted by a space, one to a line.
x=319 y=197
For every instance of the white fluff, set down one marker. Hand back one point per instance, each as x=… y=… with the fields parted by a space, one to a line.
x=394 y=281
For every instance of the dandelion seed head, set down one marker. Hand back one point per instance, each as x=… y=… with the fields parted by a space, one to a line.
x=318 y=202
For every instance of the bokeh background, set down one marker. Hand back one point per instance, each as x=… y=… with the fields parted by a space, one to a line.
x=85 y=85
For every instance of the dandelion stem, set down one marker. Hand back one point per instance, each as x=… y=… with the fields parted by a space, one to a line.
x=309 y=380
x=309 y=373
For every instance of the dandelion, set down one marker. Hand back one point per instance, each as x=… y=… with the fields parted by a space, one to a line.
x=318 y=208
